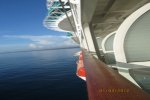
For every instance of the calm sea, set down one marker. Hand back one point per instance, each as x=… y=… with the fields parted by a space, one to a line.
x=41 y=75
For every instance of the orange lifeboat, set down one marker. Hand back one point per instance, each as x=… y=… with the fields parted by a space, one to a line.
x=80 y=68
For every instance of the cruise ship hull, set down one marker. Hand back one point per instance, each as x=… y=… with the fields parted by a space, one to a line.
x=113 y=36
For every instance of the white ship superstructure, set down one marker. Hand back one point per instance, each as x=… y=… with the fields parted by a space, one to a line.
x=114 y=37
x=56 y=18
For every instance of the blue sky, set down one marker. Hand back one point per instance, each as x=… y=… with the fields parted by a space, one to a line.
x=21 y=26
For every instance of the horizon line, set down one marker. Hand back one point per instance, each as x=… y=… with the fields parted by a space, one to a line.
x=39 y=50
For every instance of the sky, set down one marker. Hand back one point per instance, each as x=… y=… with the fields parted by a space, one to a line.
x=21 y=27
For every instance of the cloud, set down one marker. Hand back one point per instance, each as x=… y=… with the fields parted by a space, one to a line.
x=45 y=41
x=34 y=46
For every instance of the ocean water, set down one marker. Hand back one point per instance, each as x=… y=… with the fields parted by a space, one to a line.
x=41 y=75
